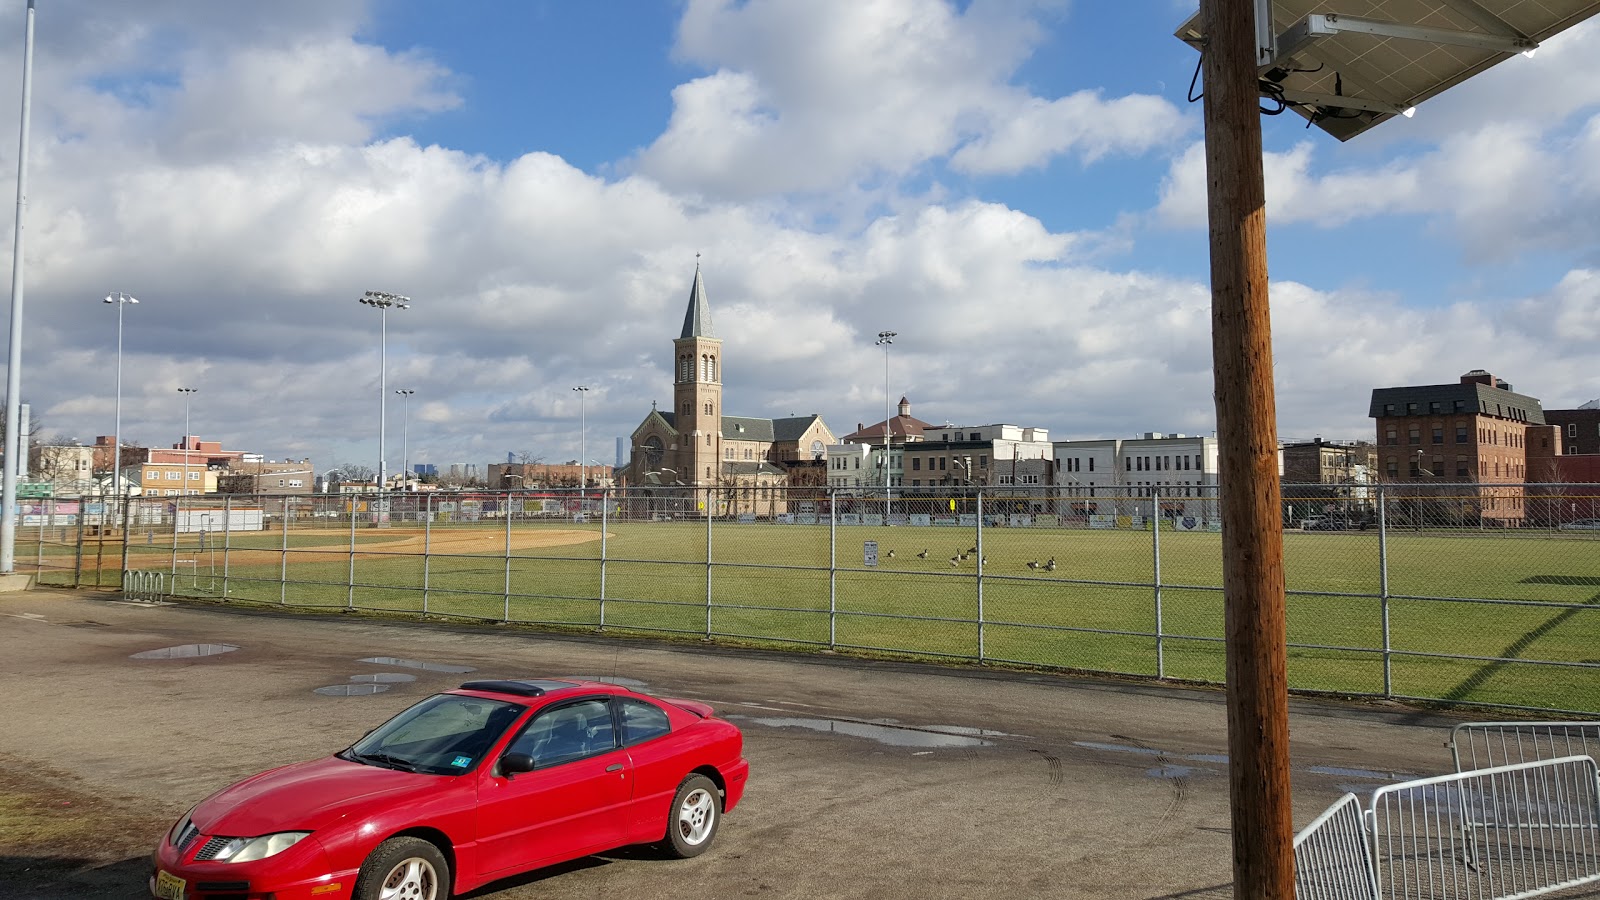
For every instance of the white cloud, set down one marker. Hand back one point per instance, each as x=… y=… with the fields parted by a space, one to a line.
x=815 y=95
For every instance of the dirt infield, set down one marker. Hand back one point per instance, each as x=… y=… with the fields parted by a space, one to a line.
x=399 y=541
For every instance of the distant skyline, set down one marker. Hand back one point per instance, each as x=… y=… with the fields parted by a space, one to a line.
x=1015 y=188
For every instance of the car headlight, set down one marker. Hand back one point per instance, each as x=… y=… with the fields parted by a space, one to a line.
x=250 y=849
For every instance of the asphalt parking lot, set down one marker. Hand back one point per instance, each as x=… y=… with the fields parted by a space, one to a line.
x=869 y=779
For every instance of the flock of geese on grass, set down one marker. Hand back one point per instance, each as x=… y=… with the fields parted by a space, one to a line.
x=962 y=556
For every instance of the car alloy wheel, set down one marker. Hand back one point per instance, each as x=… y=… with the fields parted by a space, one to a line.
x=695 y=811
x=404 y=868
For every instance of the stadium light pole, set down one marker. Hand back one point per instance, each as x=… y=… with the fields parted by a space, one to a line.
x=16 y=445
x=383 y=302
x=405 y=444
x=583 y=471
x=121 y=300
x=885 y=340
x=188 y=394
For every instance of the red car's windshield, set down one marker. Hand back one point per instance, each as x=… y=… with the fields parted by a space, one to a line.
x=446 y=734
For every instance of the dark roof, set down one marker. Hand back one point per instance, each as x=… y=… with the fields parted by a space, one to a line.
x=741 y=428
x=1478 y=399
x=697 y=319
x=750 y=467
x=792 y=428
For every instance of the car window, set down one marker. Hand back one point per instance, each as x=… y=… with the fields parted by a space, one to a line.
x=642 y=721
x=446 y=734
x=566 y=733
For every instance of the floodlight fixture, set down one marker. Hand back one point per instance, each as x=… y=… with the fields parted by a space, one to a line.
x=885 y=339
x=121 y=300
x=383 y=301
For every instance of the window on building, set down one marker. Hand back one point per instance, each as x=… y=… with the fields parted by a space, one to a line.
x=174 y=476
x=1091 y=464
x=1433 y=407
x=1461 y=434
x=1438 y=434
x=1414 y=433
x=916 y=464
x=1393 y=467
x=1461 y=467
x=1388 y=409
x=1458 y=406
x=983 y=461
x=1415 y=468
x=1030 y=479
x=942 y=461
x=1128 y=462
x=1412 y=409
x=1572 y=450
x=1572 y=429
x=708 y=440
x=1197 y=461
x=1391 y=436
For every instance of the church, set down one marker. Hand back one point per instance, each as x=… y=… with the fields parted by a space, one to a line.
x=695 y=444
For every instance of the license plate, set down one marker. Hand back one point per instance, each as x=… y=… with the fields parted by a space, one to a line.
x=169 y=886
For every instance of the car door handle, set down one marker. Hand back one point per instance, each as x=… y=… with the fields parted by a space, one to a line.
x=614 y=767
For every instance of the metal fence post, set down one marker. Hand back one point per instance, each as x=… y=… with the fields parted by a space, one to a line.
x=77 y=564
x=1383 y=591
x=427 y=549
x=177 y=513
x=350 y=587
x=605 y=522
x=124 y=505
x=833 y=570
x=227 y=536
x=708 y=563
x=283 y=555
x=1155 y=549
x=979 y=545
x=505 y=510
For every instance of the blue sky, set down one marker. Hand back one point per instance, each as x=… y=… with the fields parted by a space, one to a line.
x=1017 y=188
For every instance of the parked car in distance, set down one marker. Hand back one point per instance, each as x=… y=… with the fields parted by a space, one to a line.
x=1325 y=523
x=1580 y=525
x=464 y=788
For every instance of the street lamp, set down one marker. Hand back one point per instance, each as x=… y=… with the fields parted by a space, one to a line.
x=405 y=446
x=583 y=471
x=383 y=301
x=188 y=395
x=886 y=338
x=121 y=300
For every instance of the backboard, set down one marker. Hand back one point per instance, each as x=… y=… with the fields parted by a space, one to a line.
x=1347 y=65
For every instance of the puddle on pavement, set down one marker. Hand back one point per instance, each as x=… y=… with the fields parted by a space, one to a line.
x=417 y=664
x=1174 y=772
x=384 y=678
x=630 y=683
x=186 y=651
x=351 y=690
x=937 y=736
x=1371 y=774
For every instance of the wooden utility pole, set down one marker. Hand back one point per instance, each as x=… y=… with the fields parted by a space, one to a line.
x=1252 y=527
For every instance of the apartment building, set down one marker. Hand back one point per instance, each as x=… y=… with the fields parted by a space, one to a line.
x=1476 y=432
x=959 y=455
x=1102 y=477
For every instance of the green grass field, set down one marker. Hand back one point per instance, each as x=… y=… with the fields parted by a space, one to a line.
x=775 y=584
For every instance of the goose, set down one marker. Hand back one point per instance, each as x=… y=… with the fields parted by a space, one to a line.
x=1050 y=564
x=891 y=554
x=1033 y=564
x=923 y=554
x=955 y=560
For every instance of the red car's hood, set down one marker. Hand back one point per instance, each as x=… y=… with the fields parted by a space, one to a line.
x=304 y=797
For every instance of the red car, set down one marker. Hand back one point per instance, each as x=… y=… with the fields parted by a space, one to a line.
x=464 y=788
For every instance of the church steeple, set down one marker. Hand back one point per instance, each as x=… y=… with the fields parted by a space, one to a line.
x=697 y=388
x=697 y=320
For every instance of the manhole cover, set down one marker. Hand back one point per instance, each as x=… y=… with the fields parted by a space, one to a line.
x=186 y=651
x=350 y=690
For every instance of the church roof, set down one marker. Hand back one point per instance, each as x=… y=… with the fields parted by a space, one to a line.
x=697 y=319
x=743 y=428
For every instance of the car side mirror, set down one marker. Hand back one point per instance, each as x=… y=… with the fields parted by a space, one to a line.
x=515 y=764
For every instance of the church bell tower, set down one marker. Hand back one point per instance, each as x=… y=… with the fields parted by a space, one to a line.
x=697 y=389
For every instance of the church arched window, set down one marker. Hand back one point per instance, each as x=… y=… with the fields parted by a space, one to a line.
x=713 y=369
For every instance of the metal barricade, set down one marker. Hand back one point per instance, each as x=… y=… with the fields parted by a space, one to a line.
x=1479 y=745
x=1332 y=856
x=1520 y=830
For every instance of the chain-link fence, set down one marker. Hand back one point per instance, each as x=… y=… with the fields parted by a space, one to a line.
x=1465 y=593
